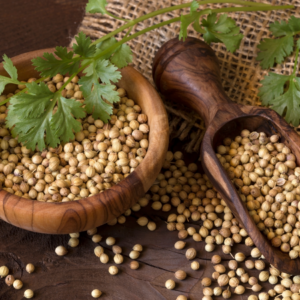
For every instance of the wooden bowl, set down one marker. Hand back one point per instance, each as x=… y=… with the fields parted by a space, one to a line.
x=87 y=213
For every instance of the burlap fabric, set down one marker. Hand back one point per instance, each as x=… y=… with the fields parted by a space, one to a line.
x=240 y=71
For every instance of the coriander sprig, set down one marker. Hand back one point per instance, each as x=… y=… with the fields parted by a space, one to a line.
x=281 y=92
x=36 y=111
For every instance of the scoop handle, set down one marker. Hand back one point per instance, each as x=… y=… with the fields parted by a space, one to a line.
x=188 y=72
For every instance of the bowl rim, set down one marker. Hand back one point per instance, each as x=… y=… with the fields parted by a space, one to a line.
x=93 y=211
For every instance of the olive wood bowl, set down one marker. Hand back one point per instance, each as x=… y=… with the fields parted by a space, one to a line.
x=188 y=72
x=90 y=212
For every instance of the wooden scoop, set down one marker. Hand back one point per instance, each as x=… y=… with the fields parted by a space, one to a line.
x=189 y=73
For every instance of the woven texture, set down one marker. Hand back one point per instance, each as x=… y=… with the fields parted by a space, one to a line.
x=240 y=71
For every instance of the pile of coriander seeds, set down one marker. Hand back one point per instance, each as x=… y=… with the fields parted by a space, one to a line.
x=100 y=156
x=197 y=202
x=265 y=174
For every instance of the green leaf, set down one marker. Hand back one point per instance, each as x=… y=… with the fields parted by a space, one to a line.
x=103 y=69
x=49 y=65
x=30 y=129
x=105 y=45
x=95 y=94
x=31 y=117
x=122 y=57
x=10 y=68
x=194 y=5
x=185 y=21
x=106 y=71
x=83 y=47
x=96 y=6
x=34 y=103
x=274 y=50
x=6 y=80
x=286 y=103
x=223 y=30
x=12 y=72
x=63 y=122
x=95 y=103
x=272 y=87
x=285 y=28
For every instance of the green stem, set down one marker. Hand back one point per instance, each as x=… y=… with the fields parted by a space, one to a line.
x=73 y=75
x=116 y=17
x=176 y=7
x=296 y=61
x=218 y=10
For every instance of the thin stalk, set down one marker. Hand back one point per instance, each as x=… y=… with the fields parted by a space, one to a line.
x=73 y=75
x=296 y=61
x=180 y=6
x=116 y=17
x=218 y=10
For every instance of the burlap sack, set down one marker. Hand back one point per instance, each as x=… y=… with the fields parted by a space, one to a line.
x=240 y=71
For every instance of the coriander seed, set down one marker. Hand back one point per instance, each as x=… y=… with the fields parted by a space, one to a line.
x=190 y=253
x=195 y=265
x=137 y=247
x=170 y=284
x=4 y=271
x=134 y=254
x=96 y=293
x=18 y=284
x=98 y=251
x=206 y=281
x=9 y=280
x=180 y=275
x=134 y=265
x=30 y=268
x=110 y=241
x=61 y=251
x=113 y=270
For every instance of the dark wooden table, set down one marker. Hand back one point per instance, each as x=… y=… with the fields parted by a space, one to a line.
x=35 y=24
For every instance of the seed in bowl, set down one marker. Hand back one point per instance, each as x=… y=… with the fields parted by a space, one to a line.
x=100 y=156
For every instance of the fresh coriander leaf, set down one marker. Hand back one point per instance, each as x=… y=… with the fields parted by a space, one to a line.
x=10 y=68
x=223 y=30
x=6 y=80
x=285 y=28
x=30 y=129
x=103 y=69
x=185 y=21
x=274 y=50
x=12 y=72
x=31 y=117
x=95 y=103
x=63 y=122
x=95 y=94
x=83 y=47
x=31 y=132
x=194 y=5
x=49 y=65
x=285 y=103
x=272 y=87
x=106 y=71
x=122 y=57
x=105 y=45
x=96 y=6
x=35 y=102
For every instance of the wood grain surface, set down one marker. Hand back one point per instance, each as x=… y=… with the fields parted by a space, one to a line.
x=75 y=275
x=188 y=72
